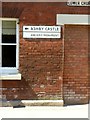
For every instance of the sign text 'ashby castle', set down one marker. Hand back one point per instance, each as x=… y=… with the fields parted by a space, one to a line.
x=41 y=32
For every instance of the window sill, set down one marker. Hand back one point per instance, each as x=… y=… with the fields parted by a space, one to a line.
x=10 y=76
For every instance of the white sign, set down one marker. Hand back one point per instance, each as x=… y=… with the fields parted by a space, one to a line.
x=78 y=3
x=41 y=32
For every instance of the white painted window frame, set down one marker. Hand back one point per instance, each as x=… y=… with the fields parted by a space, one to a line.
x=10 y=73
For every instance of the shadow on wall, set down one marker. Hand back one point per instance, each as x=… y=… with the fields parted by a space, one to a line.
x=12 y=12
x=26 y=91
x=15 y=91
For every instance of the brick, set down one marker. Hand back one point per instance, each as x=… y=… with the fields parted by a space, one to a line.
x=48 y=71
x=76 y=63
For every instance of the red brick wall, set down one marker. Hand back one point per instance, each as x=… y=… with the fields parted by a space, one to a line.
x=41 y=66
x=76 y=64
x=42 y=60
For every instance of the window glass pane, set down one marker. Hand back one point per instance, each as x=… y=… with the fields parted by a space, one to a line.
x=9 y=24
x=8 y=31
x=8 y=38
x=9 y=27
x=8 y=55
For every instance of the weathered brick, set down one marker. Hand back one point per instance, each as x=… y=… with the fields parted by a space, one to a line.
x=50 y=68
